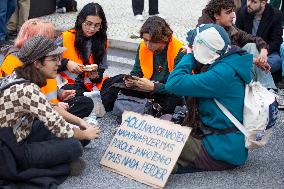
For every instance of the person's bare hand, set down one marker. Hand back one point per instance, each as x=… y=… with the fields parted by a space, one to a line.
x=145 y=84
x=92 y=133
x=84 y=124
x=63 y=105
x=186 y=49
x=74 y=67
x=131 y=82
x=262 y=64
x=67 y=94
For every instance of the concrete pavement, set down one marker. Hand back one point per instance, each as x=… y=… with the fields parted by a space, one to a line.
x=182 y=15
x=265 y=167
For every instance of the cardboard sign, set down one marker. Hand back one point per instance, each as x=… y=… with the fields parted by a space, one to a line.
x=145 y=148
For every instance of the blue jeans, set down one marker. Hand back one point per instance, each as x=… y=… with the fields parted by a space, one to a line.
x=282 y=57
x=257 y=74
x=7 y=8
x=274 y=61
x=43 y=149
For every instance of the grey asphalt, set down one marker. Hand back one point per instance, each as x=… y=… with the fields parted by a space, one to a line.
x=264 y=168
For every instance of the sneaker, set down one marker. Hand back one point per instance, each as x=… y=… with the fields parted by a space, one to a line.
x=139 y=17
x=77 y=167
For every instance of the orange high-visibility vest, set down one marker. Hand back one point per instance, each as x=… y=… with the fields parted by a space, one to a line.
x=71 y=54
x=11 y=62
x=146 y=56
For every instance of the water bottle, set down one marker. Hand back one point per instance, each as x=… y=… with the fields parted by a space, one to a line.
x=95 y=95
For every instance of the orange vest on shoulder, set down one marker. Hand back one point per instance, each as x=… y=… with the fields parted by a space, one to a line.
x=11 y=62
x=71 y=54
x=146 y=56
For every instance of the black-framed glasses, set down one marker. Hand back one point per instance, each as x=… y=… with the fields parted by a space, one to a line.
x=91 y=25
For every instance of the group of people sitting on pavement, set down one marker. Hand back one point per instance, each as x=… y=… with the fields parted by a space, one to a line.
x=220 y=58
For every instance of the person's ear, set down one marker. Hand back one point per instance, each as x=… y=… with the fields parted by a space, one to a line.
x=216 y=16
x=263 y=3
x=37 y=64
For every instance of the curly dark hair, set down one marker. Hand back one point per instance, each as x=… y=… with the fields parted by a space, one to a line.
x=99 y=39
x=216 y=6
x=157 y=28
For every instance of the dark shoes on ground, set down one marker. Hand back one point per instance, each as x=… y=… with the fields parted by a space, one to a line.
x=11 y=35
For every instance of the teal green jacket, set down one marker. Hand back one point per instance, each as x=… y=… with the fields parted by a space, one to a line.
x=225 y=80
x=160 y=69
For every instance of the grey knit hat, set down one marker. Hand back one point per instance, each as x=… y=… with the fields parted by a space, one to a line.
x=38 y=47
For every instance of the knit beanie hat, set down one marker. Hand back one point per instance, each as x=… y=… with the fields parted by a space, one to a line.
x=209 y=42
x=38 y=47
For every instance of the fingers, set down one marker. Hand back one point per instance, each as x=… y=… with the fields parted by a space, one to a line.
x=63 y=105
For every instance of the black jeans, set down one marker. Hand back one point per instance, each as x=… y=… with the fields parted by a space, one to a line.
x=109 y=95
x=80 y=105
x=138 y=7
x=44 y=150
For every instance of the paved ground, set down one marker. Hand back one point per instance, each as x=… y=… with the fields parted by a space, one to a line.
x=265 y=167
x=181 y=15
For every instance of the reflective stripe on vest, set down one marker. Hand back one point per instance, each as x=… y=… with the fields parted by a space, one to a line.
x=51 y=97
x=71 y=54
x=146 y=56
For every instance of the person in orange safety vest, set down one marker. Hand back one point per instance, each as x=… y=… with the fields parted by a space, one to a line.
x=157 y=55
x=86 y=44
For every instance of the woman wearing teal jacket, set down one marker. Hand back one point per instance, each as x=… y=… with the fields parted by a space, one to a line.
x=228 y=69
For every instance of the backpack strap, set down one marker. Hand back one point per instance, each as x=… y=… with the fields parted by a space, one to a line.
x=210 y=131
x=232 y=118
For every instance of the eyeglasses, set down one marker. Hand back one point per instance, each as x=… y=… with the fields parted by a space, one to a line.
x=53 y=59
x=91 y=25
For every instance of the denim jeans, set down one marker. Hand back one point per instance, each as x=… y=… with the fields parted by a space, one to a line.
x=7 y=8
x=259 y=75
x=43 y=149
x=274 y=61
x=282 y=57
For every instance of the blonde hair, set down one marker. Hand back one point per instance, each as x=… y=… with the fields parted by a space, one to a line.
x=32 y=28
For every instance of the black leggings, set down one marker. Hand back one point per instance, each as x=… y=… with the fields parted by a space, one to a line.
x=80 y=105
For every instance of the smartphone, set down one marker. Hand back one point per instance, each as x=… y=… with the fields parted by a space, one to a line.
x=89 y=68
x=130 y=77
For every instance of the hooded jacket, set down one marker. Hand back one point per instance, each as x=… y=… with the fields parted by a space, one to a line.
x=224 y=80
x=238 y=37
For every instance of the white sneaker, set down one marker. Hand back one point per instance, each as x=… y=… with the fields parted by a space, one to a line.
x=139 y=17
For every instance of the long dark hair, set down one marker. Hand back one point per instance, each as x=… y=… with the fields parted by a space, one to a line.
x=98 y=39
x=192 y=117
x=31 y=73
